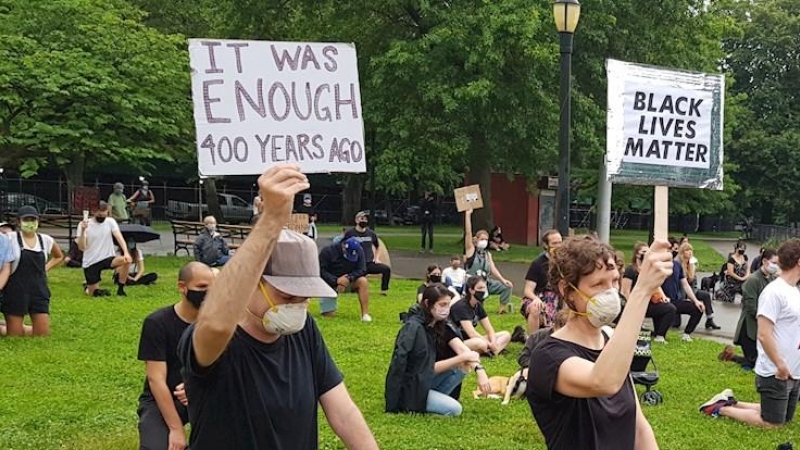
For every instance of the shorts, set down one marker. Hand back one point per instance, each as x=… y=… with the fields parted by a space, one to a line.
x=92 y=273
x=548 y=310
x=778 y=398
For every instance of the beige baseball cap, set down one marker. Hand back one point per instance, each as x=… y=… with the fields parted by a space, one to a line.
x=294 y=267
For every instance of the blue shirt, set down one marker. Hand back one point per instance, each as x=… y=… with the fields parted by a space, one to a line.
x=6 y=254
x=672 y=285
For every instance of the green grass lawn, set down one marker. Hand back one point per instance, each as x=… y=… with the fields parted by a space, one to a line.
x=78 y=388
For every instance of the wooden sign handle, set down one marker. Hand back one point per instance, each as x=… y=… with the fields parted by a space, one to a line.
x=661 y=213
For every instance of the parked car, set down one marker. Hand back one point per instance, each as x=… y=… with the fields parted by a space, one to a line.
x=16 y=200
x=234 y=209
x=381 y=217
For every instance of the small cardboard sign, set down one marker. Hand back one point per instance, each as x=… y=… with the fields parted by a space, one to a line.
x=85 y=199
x=298 y=223
x=468 y=197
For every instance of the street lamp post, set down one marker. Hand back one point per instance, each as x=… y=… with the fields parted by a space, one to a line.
x=566 y=13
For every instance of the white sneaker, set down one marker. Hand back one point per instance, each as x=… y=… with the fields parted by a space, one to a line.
x=366 y=318
x=686 y=338
x=660 y=340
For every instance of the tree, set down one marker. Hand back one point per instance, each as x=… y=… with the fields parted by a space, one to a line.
x=84 y=83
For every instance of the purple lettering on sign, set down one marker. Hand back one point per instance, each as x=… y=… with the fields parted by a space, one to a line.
x=259 y=107
x=285 y=58
x=286 y=101
x=340 y=101
x=236 y=46
x=208 y=100
x=211 y=59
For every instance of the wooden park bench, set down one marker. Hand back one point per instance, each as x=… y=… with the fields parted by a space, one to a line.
x=185 y=233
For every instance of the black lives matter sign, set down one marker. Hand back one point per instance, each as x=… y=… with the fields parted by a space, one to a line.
x=259 y=103
x=664 y=126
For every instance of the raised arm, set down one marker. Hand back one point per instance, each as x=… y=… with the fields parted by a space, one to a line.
x=581 y=378
x=234 y=286
x=469 y=246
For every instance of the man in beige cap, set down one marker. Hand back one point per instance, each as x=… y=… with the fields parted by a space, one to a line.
x=255 y=365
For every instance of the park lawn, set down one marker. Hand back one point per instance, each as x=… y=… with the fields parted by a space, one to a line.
x=78 y=389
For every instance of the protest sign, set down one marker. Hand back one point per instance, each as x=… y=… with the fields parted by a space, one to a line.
x=298 y=223
x=664 y=126
x=259 y=103
x=468 y=197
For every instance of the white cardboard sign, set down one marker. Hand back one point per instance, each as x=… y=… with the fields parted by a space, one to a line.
x=259 y=103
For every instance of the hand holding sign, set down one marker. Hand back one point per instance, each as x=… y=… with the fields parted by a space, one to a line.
x=278 y=186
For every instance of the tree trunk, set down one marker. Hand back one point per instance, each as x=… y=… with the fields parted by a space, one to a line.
x=73 y=171
x=351 y=194
x=481 y=173
x=212 y=200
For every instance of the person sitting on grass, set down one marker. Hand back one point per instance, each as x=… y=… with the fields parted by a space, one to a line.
x=747 y=327
x=136 y=273
x=417 y=380
x=660 y=309
x=432 y=276
x=579 y=388
x=468 y=312
x=342 y=265
x=496 y=241
x=479 y=262
x=210 y=247
x=778 y=363
x=454 y=276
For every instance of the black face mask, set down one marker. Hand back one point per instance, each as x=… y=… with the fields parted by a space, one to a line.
x=196 y=298
x=100 y=219
x=435 y=278
x=674 y=254
x=480 y=296
x=740 y=251
x=363 y=223
x=640 y=258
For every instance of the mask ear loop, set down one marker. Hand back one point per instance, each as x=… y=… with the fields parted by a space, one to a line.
x=266 y=297
x=571 y=307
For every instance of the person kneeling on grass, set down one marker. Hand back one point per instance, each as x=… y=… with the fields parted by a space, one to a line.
x=579 y=388
x=778 y=363
x=136 y=273
x=417 y=381
x=342 y=266
x=468 y=312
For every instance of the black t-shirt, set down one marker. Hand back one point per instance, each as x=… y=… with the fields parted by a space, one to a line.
x=161 y=332
x=632 y=274
x=443 y=349
x=538 y=273
x=462 y=310
x=367 y=239
x=259 y=395
x=586 y=423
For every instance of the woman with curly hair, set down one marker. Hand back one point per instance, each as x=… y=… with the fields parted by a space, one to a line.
x=579 y=390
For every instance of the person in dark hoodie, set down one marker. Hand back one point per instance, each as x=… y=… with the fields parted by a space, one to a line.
x=343 y=266
x=416 y=382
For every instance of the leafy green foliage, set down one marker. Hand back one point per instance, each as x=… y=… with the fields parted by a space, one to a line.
x=83 y=81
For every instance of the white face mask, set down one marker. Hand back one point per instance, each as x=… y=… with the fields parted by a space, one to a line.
x=482 y=244
x=602 y=308
x=283 y=319
x=772 y=268
x=441 y=313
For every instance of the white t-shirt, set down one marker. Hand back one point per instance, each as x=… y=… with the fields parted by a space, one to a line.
x=456 y=276
x=17 y=252
x=133 y=267
x=99 y=241
x=780 y=303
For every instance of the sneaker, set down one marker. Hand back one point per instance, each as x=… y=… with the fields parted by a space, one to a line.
x=518 y=335
x=660 y=340
x=686 y=338
x=711 y=325
x=384 y=293
x=731 y=398
x=430 y=251
x=366 y=318
x=712 y=407
x=727 y=354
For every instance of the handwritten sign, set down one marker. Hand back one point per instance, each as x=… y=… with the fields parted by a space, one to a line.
x=259 y=103
x=298 y=223
x=468 y=197
x=664 y=126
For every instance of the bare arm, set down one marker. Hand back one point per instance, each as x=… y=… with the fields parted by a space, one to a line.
x=139 y=269
x=469 y=246
x=157 y=379
x=529 y=290
x=469 y=330
x=5 y=273
x=626 y=286
x=447 y=364
x=581 y=378
x=122 y=244
x=233 y=288
x=345 y=418
x=690 y=295
x=488 y=328
x=767 y=339
x=56 y=257
x=81 y=239
x=645 y=438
